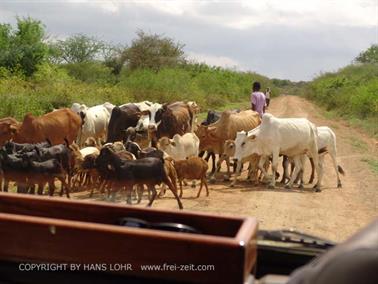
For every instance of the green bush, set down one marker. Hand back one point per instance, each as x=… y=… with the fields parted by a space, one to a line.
x=352 y=92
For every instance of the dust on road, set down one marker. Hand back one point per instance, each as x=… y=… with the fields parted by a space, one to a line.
x=333 y=213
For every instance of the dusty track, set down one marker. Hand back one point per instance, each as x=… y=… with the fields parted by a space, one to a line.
x=333 y=213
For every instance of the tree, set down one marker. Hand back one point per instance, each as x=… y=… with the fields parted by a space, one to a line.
x=115 y=58
x=78 y=48
x=368 y=56
x=23 y=48
x=154 y=51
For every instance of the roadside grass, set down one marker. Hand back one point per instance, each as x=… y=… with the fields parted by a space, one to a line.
x=349 y=94
x=373 y=164
x=358 y=144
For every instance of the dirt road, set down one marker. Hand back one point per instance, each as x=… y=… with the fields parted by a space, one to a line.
x=333 y=213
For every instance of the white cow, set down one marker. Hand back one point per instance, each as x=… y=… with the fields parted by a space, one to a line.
x=95 y=120
x=292 y=137
x=327 y=139
x=180 y=147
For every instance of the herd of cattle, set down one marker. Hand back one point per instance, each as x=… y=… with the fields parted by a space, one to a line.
x=136 y=145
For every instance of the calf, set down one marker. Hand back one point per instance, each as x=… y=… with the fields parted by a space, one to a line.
x=180 y=147
x=229 y=151
x=192 y=168
x=45 y=172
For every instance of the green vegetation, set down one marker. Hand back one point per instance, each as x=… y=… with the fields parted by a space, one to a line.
x=373 y=163
x=368 y=56
x=358 y=144
x=23 y=48
x=85 y=69
x=350 y=93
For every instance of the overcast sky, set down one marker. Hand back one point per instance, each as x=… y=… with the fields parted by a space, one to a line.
x=287 y=39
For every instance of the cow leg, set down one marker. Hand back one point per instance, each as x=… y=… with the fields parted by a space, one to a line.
x=112 y=192
x=200 y=189
x=31 y=188
x=40 y=188
x=237 y=174
x=334 y=162
x=154 y=193
x=274 y=168
x=173 y=188
x=312 y=171
x=128 y=194
x=162 y=190
x=297 y=169
x=140 y=189
x=64 y=186
x=318 y=167
x=51 y=188
x=319 y=173
x=213 y=158
x=285 y=166
x=6 y=185
x=207 y=188
x=228 y=169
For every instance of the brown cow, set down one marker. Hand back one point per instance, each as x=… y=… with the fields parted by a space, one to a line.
x=213 y=136
x=5 y=125
x=169 y=119
x=56 y=126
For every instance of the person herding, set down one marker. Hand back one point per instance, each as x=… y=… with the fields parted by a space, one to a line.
x=258 y=99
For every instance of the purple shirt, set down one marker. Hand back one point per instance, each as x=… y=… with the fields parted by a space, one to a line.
x=258 y=99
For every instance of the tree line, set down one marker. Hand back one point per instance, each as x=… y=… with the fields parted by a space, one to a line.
x=26 y=46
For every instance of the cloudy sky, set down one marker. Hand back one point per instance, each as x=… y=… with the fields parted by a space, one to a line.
x=290 y=39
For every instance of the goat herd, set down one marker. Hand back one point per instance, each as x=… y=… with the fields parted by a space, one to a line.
x=137 y=145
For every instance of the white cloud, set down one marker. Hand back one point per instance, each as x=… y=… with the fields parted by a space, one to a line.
x=246 y=13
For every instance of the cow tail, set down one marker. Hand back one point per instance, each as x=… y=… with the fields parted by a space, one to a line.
x=190 y=119
x=49 y=141
x=340 y=170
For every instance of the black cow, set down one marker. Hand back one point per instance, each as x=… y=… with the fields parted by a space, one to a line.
x=121 y=119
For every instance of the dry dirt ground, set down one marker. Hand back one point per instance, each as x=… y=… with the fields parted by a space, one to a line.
x=332 y=213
